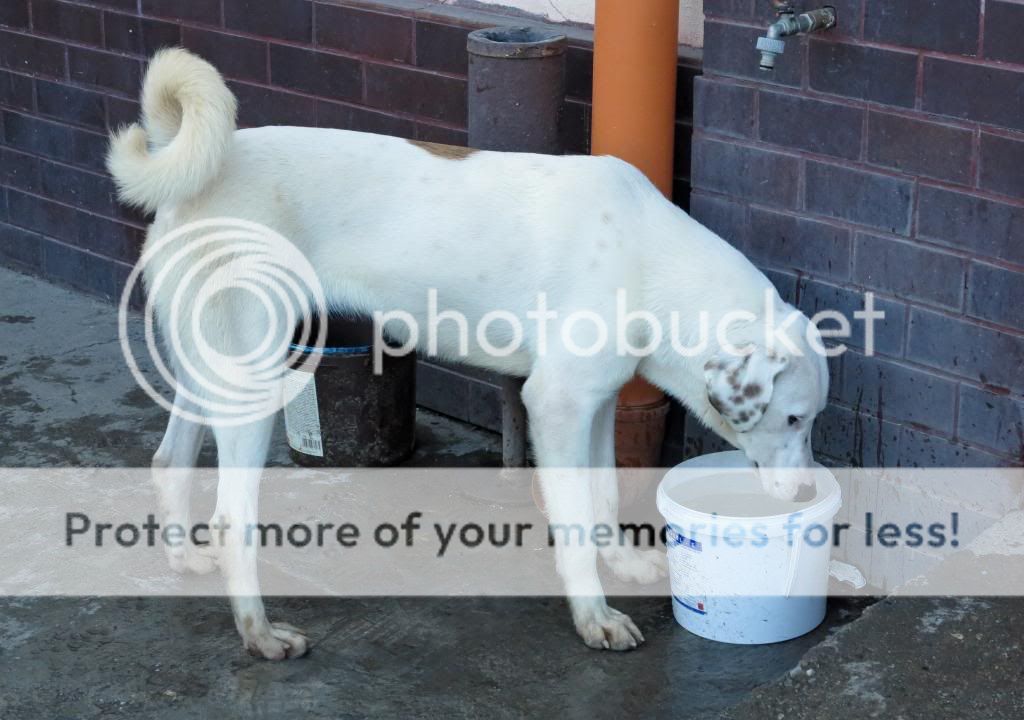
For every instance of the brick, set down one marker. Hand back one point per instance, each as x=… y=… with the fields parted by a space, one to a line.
x=71 y=104
x=908 y=271
x=898 y=393
x=995 y=421
x=235 y=57
x=19 y=170
x=347 y=117
x=122 y=112
x=981 y=354
x=750 y=173
x=37 y=137
x=950 y=27
x=729 y=8
x=855 y=439
x=861 y=197
x=996 y=294
x=816 y=296
x=140 y=36
x=26 y=54
x=15 y=90
x=975 y=92
x=317 y=73
x=725 y=218
x=723 y=108
x=811 y=125
x=83 y=230
x=284 y=19
x=729 y=50
x=883 y=76
x=921 y=449
x=443 y=47
x=785 y=283
x=443 y=135
x=1001 y=161
x=786 y=241
x=920 y=148
x=972 y=223
x=258 y=106
x=126 y=5
x=20 y=247
x=376 y=34
x=64 y=20
x=416 y=92
x=94 y=67
x=83 y=270
x=201 y=11
x=81 y=188
x=1003 y=21
x=89 y=149
x=14 y=13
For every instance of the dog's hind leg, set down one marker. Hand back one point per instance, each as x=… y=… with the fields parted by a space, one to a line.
x=628 y=563
x=173 y=467
x=241 y=453
x=561 y=419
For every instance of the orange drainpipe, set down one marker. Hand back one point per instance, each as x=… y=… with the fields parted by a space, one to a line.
x=635 y=59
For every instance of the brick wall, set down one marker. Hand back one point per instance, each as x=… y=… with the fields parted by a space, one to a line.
x=885 y=155
x=69 y=71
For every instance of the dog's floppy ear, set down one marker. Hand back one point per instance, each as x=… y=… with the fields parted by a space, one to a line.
x=740 y=388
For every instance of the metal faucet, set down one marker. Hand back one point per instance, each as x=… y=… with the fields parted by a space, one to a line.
x=789 y=23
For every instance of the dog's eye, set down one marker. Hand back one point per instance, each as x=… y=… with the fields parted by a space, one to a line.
x=793 y=420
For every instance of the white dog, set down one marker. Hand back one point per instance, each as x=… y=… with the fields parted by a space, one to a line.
x=383 y=220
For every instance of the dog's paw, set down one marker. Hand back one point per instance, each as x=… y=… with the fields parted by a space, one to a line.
x=278 y=641
x=190 y=559
x=634 y=566
x=605 y=628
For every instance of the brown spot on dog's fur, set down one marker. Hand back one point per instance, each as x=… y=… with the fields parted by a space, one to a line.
x=737 y=400
x=247 y=623
x=716 y=402
x=447 y=152
x=744 y=416
x=752 y=390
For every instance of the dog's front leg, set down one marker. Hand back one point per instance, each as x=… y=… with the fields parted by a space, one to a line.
x=241 y=453
x=560 y=426
x=628 y=563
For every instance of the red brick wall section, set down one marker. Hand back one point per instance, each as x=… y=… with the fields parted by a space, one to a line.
x=71 y=70
x=887 y=155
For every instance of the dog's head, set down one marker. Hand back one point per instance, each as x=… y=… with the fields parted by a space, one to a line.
x=770 y=398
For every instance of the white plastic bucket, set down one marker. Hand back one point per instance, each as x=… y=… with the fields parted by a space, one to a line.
x=743 y=578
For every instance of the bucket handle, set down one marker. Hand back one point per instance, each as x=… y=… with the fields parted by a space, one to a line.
x=794 y=562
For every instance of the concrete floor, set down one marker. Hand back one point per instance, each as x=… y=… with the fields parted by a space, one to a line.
x=67 y=400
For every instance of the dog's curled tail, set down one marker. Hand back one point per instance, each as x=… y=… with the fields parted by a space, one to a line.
x=188 y=119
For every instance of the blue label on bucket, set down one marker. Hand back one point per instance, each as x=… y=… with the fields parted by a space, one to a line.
x=677 y=539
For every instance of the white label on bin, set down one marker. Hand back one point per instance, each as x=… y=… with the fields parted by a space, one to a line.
x=302 y=414
x=687 y=581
